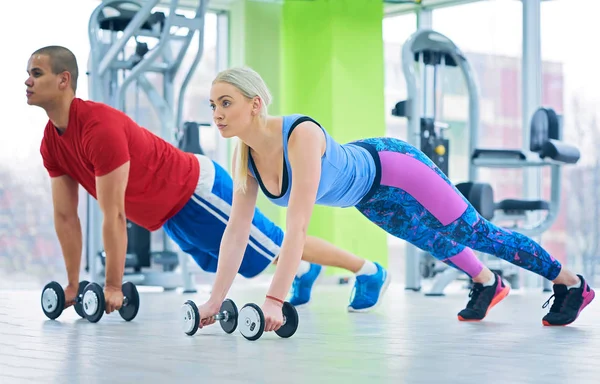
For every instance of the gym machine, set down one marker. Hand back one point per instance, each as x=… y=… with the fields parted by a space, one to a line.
x=424 y=56
x=121 y=33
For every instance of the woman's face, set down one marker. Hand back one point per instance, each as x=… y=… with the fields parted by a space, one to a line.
x=232 y=111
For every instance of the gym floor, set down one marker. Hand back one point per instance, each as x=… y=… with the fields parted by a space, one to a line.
x=409 y=338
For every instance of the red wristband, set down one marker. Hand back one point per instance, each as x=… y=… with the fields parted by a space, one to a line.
x=275 y=299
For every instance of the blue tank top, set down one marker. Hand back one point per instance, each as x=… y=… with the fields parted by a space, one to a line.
x=347 y=170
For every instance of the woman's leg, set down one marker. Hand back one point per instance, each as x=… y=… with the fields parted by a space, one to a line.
x=426 y=204
x=411 y=221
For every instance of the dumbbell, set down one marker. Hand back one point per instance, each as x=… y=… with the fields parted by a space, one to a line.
x=94 y=304
x=252 y=321
x=53 y=299
x=227 y=316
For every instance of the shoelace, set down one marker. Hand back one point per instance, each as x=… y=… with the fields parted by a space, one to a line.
x=474 y=295
x=559 y=301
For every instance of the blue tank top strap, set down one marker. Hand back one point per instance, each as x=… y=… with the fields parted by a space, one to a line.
x=296 y=120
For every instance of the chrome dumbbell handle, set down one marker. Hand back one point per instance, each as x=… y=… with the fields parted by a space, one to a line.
x=223 y=315
x=79 y=300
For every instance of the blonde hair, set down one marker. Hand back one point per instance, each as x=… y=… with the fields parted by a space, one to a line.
x=251 y=85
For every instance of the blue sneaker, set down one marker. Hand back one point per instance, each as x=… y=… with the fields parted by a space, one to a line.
x=302 y=286
x=368 y=290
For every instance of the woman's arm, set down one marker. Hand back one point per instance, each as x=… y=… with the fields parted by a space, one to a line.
x=235 y=239
x=305 y=149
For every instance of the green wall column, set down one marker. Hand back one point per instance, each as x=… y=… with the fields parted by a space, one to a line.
x=332 y=69
x=262 y=52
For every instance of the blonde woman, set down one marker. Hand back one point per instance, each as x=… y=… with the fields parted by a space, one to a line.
x=297 y=164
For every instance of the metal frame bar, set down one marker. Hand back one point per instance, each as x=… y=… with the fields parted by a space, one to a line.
x=223 y=147
x=215 y=6
x=416 y=109
x=131 y=29
x=401 y=9
x=419 y=104
x=146 y=61
x=531 y=90
x=201 y=10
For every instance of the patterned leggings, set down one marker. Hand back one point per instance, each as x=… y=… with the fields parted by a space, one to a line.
x=413 y=200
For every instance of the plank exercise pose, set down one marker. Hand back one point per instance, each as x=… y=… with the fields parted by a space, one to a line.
x=297 y=164
x=136 y=175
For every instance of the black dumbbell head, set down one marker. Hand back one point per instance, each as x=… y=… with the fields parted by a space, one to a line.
x=78 y=307
x=129 y=312
x=53 y=300
x=251 y=321
x=291 y=321
x=231 y=323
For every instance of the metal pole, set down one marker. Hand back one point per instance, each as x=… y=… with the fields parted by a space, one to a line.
x=531 y=98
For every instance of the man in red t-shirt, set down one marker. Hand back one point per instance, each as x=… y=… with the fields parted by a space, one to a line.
x=136 y=175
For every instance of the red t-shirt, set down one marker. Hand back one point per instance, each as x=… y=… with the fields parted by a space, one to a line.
x=99 y=139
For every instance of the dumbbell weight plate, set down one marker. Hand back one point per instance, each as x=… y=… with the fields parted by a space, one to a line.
x=77 y=305
x=251 y=321
x=191 y=318
x=129 y=312
x=93 y=302
x=291 y=321
x=53 y=300
x=232 y=322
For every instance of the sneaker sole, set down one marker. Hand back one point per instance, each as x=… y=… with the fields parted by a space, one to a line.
x=503 y=293
x=384 y=288
x=592 y=295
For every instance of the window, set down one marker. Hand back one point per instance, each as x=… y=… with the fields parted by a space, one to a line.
x=29 y=250
x=570 y=85
x=492 y=42
x=396 y=30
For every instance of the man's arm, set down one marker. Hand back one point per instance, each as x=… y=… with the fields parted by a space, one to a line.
x=65 y=198
x=106 y=146
x=110 y=190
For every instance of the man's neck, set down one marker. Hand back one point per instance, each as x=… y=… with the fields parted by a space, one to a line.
x=59 y=113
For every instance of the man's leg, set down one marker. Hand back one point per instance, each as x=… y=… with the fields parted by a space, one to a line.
x=321 y=252
x=371 y=278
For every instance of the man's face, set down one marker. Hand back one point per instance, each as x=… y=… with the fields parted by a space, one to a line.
x=42 y=85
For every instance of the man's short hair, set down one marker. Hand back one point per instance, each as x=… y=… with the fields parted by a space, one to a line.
x=61 y=60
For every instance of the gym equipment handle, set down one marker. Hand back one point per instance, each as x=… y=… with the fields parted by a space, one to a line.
x=224 y=315
x=79 y=300
x=560 y=151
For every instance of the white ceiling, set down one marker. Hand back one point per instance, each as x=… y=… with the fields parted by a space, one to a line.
x=390 y=6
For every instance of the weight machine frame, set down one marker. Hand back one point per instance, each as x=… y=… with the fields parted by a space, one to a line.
x=110 y=76
x=412 y=51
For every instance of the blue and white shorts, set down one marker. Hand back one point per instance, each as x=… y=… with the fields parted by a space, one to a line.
x=198 y=227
